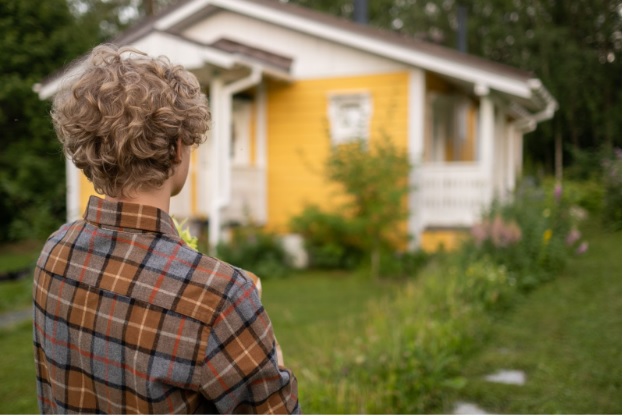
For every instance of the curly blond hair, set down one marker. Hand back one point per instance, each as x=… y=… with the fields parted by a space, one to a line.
x=120 y=121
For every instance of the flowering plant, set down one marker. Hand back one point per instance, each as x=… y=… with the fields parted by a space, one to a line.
x=185 y=233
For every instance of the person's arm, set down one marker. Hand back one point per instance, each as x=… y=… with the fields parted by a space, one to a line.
x=241 y=373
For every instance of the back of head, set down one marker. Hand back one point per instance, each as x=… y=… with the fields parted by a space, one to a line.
x=121 y=119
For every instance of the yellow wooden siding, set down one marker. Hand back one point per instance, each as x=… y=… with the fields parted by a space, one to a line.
x=448 y=240
x=299 y=142
x=86 y=190
x=253 y=128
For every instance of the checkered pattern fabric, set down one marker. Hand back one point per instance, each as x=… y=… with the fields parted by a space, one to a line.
x=129 y=319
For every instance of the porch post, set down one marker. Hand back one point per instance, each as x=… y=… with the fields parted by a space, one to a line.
x=510 y=143
x=415 y=145
x=214 y=213
x=486 y=139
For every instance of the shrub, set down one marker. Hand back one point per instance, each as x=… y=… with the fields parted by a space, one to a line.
x=256 y=250
x=329 y=239
x=374 y=182
x=410 y=360
x=531 y=235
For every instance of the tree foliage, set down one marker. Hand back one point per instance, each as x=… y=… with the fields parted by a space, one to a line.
x=36 y=38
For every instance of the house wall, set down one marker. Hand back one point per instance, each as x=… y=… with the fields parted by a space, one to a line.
x=299 y=142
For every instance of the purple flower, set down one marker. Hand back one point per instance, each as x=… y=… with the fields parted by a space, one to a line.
x=573 y=236
x=558 y=192
x=582 y=248
x=480 y=232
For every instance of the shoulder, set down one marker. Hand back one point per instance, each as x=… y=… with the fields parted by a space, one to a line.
x=58 y=237
x=211 y=284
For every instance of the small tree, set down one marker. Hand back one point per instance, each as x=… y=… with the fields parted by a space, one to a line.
x=374 y=180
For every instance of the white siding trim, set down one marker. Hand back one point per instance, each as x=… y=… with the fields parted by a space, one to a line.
x=486 y=142
x=415 y=146
x=73 y=190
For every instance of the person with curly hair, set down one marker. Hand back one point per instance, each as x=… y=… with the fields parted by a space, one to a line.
x=127 y=317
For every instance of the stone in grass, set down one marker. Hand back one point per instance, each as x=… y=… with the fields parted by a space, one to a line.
x=464 y=408
x=507 y=377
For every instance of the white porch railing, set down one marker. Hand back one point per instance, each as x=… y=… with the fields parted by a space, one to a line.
x=451 y=194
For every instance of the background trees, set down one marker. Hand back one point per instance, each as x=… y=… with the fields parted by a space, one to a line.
x=36 y=38
x=575 y=48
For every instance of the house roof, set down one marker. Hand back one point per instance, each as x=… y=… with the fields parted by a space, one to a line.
x=477 y=71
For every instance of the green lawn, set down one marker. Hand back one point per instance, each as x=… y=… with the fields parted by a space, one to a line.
x=16 y=294
x=17 y=256
x=18 y=393
x=567 y=338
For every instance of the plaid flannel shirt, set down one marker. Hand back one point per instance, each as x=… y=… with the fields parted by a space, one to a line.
x=129 y=319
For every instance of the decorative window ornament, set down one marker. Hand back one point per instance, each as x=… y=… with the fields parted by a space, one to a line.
x=349 y=116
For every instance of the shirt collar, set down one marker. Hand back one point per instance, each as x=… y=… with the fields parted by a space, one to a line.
x=128 y=216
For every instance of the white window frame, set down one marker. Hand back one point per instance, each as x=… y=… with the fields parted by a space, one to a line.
x=349 y=114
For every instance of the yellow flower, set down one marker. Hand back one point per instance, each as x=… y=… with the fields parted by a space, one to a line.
x=547 y=235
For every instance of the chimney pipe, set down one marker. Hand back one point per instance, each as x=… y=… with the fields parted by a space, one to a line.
x=462 y=37
x=360 y=11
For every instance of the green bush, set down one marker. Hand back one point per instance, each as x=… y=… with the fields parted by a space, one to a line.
x=256 y=250
x=329 y=239
x=374 y=183
x=410 y=360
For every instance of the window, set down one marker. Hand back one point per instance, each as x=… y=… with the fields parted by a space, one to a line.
x=349 y=116
x=450 y=138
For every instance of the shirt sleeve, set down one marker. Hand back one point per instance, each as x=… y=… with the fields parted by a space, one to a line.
x=241 y=372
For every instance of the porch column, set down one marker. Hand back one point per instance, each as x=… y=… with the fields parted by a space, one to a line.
x=415 y=146
x=510 y=144
x=214 y=203
x=486 y=138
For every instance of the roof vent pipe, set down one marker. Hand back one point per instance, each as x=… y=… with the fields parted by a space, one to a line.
x=360 y=11
x=462 y=37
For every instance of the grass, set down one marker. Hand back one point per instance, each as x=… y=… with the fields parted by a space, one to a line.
x=16 y=294
x=18 y=393
x=17 y=256
x=316 y=317
x=566 y=336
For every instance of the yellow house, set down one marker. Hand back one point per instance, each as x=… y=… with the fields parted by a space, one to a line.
x=286 y=83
